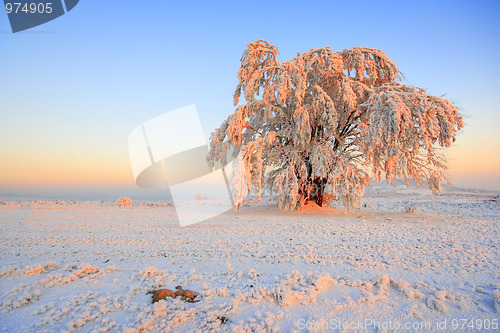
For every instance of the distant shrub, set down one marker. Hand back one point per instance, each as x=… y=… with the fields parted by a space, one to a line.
x=201 y=197
x=410 y=208
x=125 y=202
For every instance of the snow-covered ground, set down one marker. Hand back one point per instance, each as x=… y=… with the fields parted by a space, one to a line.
x=405 y=260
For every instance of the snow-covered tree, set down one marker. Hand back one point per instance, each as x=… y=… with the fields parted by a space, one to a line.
x=330 y=121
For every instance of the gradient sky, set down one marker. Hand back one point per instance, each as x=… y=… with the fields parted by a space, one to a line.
x=73 y=89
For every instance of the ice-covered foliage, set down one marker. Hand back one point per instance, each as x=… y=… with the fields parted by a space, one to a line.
x=331 y=121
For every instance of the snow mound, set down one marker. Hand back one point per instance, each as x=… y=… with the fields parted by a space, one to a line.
x=311 y=208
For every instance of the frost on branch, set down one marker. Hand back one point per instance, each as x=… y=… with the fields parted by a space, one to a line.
x=330 y=121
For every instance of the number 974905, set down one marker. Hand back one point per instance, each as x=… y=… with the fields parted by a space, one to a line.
x=28 y=8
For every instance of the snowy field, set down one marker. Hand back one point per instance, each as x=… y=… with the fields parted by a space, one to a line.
x=404 y=261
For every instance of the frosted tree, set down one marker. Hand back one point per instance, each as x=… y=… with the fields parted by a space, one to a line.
x=329 y=122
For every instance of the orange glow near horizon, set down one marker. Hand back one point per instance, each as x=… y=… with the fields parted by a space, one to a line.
x=471 y=163
x=474 y=161
x=27 y=171
x=464 y=163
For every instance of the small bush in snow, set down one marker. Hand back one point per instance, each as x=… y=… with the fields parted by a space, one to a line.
x=125 y=202
x=201 y=197
x=410 y=208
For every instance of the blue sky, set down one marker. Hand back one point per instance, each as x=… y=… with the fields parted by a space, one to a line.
x=72 y=90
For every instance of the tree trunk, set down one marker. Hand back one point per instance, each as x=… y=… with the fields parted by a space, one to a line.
x=317 y=191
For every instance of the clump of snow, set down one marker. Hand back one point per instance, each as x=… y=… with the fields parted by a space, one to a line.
x=434 y=303
x=20 y=296
x=155 y=278
x=85 y=271
x=38 y=269
x=125 y=202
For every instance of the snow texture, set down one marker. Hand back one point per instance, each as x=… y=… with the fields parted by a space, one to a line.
x=73 y=266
